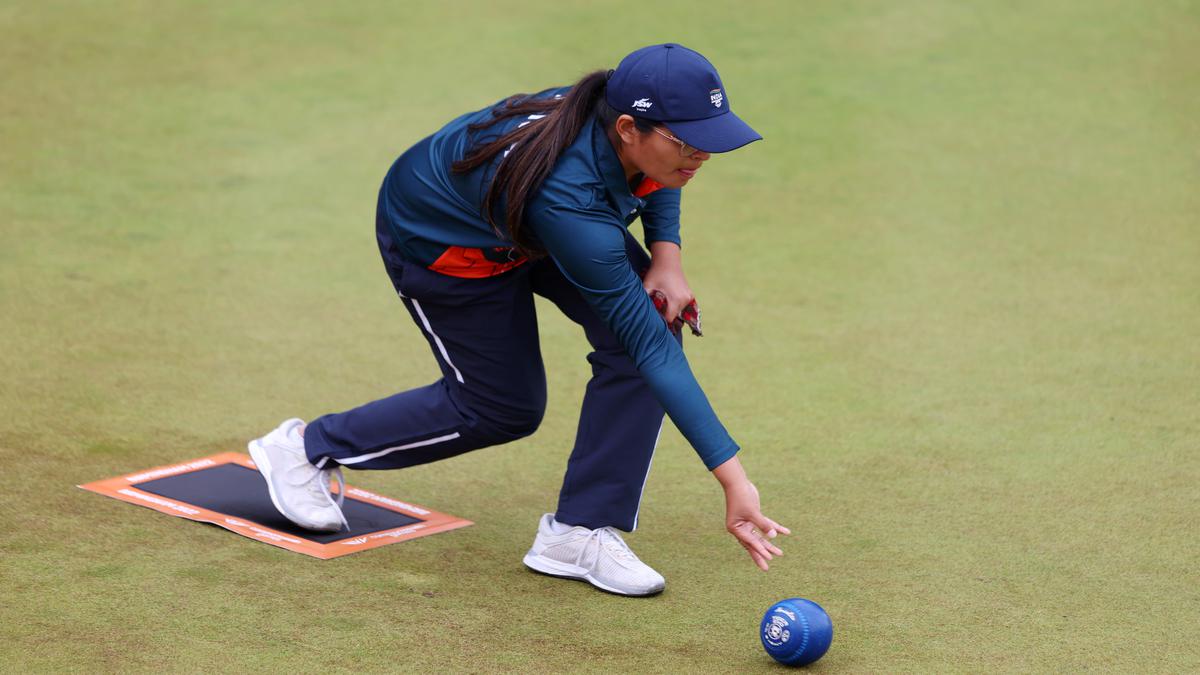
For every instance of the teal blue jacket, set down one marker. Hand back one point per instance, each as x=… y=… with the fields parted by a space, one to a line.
x=580 y=215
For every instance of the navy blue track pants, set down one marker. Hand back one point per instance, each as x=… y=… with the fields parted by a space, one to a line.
x=483 y=333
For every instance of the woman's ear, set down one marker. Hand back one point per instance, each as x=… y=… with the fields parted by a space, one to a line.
x=626 y=129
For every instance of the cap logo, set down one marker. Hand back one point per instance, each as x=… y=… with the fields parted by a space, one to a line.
x=716 y=97
x=642 y=104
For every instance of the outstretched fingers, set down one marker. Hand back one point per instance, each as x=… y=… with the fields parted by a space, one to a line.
x=755 y=556
x=760 y=549
x=770 y=528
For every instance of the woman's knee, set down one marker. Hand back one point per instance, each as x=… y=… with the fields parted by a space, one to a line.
x=510 y=424
x=503 y=416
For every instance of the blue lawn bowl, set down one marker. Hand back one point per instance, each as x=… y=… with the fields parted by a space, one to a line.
x=796 y=632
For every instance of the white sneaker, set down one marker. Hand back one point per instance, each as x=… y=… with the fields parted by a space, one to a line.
x=600 y=557
x=298 y=489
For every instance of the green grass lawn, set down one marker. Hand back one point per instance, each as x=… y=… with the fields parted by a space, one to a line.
x=952 y=312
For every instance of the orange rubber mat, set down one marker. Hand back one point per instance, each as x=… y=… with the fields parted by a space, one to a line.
x=228 y=491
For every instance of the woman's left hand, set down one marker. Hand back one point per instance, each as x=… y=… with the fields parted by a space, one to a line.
x=666 y=275
x=744 y=518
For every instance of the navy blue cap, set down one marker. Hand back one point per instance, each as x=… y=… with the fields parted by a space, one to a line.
x=672 y=84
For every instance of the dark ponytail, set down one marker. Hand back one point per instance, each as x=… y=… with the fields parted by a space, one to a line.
x=535 y=147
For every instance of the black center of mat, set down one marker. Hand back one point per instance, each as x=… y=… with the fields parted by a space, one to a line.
x=240 y=492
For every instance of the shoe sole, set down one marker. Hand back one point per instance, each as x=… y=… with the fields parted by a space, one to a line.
x=259 y=455
x=562 y=570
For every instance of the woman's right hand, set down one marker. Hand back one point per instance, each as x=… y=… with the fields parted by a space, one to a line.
x=744 y=518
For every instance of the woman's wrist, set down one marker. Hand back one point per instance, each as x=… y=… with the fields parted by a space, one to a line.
x=730 y=473
x=666 y=254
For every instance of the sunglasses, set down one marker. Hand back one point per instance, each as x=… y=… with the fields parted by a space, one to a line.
x=685 y=150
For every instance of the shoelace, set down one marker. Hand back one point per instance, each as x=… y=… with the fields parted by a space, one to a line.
x=318 y=485
x=602 y=536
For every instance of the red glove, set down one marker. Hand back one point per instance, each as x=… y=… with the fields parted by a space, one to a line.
x=690 y=314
